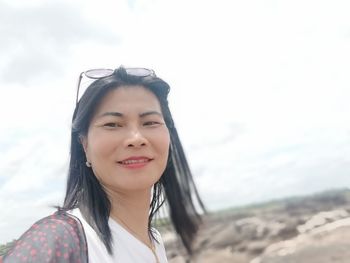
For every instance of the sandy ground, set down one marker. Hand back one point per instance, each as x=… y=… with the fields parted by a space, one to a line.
x=313 y=229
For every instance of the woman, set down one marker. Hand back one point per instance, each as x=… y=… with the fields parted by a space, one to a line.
x=126 y=159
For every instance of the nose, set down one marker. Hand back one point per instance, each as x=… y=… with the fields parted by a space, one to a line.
x=135 y=138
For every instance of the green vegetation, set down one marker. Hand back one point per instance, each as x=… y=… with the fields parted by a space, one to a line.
x=4 y=248
x=326 y=198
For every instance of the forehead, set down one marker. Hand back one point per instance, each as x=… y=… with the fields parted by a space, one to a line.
x=128 y=99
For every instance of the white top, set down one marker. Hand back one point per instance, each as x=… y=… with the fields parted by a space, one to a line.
x=126 y=248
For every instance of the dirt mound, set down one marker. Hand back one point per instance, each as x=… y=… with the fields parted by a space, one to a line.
x=309 y=229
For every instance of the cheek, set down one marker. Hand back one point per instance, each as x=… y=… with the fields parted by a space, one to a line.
x=101 y=146
x=162 y=139
x=163 y=143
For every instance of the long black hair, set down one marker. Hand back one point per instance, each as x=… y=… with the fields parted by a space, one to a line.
x=176 y=183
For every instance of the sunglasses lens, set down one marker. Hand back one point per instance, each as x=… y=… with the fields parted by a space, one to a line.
x=140 y=72
x=98 y=73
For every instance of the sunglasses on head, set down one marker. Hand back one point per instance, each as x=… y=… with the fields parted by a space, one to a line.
x=103 y=73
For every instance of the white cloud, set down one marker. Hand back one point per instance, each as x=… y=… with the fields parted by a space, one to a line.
x=40 y=38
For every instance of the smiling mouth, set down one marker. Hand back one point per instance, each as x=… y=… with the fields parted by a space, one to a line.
x=134 y=161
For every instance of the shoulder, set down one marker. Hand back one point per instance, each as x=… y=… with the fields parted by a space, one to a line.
x=157 y=237
x=58 y=237
x=159 y=244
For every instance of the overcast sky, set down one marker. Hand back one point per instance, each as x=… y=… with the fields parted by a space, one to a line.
x=260 y=92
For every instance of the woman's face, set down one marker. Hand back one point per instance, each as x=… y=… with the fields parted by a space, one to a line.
x=128 y=142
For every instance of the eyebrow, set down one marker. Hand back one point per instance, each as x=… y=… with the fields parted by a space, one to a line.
x=118 y=114
x=147 y=113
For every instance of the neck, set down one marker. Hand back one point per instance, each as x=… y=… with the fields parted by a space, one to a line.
x=131 y=210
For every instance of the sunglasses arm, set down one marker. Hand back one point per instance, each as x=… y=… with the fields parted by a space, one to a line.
x=78 y=87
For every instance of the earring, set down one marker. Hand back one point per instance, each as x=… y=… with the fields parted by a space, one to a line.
x=88 y=164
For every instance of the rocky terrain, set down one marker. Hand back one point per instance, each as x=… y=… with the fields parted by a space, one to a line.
x=295 y=230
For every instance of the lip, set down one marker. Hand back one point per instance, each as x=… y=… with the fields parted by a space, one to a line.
x=135 y=162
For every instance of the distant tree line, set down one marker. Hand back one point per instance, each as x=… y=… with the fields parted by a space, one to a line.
x=6 y=247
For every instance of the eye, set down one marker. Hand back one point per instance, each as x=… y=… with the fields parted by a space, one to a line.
x=151 y=123
x=111 y=125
